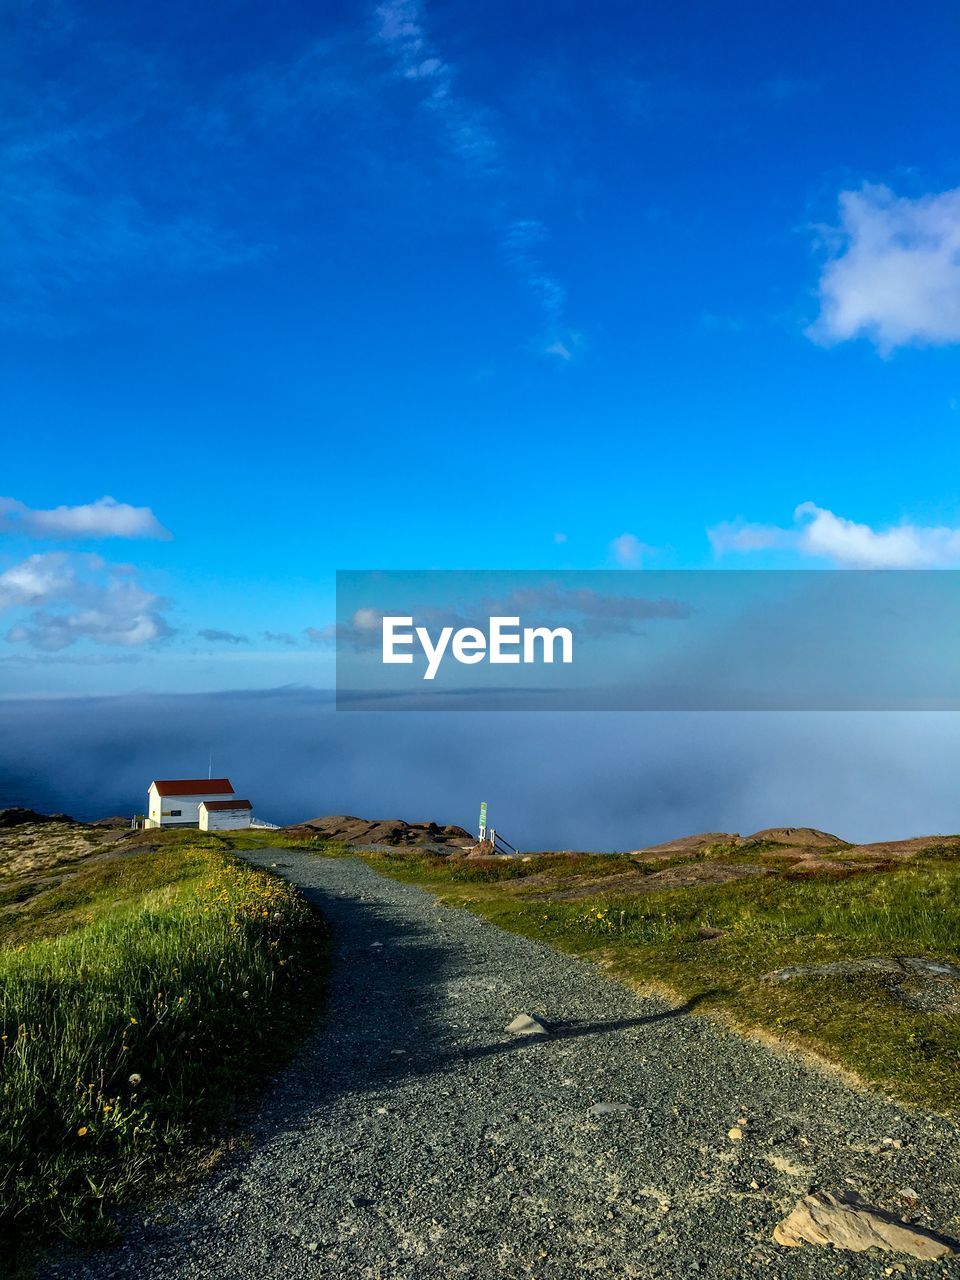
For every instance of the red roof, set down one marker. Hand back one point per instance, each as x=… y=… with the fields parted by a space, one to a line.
x=194 y=787
x=226 y=804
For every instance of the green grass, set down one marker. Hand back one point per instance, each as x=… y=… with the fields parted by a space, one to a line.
x=140 y=999
x=657 y=940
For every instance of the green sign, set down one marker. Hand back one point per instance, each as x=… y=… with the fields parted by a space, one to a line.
x=483 y=813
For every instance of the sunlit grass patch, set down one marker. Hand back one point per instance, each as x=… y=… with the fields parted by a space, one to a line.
x=136 y=1005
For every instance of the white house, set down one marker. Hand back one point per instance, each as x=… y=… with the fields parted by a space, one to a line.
x=224 y=815
x=176 y=802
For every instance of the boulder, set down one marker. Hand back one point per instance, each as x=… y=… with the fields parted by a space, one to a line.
x=845 y=1222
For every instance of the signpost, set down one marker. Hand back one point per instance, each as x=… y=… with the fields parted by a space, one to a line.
x=483 y=820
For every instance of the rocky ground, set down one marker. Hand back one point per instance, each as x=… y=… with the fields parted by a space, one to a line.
x=415 y=1138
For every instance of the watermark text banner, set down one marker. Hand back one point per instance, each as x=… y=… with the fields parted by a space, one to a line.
x=684 y=640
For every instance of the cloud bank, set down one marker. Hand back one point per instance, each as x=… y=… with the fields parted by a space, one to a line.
x=555 y=781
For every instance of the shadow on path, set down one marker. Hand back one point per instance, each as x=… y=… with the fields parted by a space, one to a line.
x=389 y=1016
x=574 y=1028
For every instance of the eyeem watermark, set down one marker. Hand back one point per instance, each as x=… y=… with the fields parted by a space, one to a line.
x=651 y=640
x=504 y=642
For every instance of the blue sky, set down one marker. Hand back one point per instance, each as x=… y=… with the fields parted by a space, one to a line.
x=439 y=285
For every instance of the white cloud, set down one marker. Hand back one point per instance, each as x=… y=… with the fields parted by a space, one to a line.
x=401 y=26
x=896 y=276
x=628 y=550
x=73 y=598
x=35 y=579
x=105 y=518
x=558 y=349
x=569 y=346
x=402 y=31
x=523 y=241
x=905 y=546
x=822 y=534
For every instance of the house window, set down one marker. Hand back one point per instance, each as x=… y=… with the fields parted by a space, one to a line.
x=175 y=813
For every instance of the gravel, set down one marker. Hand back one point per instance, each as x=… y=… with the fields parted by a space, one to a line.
x=414 y=1138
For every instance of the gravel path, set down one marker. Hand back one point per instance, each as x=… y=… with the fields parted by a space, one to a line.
x=414 y=1139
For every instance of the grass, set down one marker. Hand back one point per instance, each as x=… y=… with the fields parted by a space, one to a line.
x=714 y=943
x=140 y=998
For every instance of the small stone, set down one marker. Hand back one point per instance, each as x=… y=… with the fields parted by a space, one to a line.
x=311 y=1247
x=528 y=1024
x=376 y=944
x=608 y=1108
x=735 y=1134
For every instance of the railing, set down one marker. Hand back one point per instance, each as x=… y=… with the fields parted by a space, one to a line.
x=500 y=845
x=264 y=826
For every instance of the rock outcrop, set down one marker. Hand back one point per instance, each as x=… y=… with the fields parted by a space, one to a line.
x=392 y=832
x=20 y=817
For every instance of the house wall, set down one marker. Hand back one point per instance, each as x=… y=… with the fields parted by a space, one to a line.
x=162 y=811
x=224 y=819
